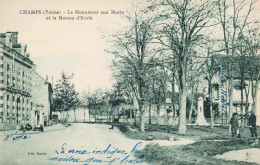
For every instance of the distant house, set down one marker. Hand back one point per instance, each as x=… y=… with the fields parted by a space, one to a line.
x=220 y=95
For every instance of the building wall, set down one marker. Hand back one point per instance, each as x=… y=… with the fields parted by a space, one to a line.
x=258 y=107
x=40 y=98
x=24 y=95
x=1 y=83
x=15 y=81
x=236 y=97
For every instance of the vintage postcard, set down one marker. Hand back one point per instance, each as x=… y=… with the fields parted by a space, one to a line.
x=112 y=82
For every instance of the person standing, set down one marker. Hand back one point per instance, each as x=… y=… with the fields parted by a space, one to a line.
x=234 y=125
x=252 y=123
x=113 y=119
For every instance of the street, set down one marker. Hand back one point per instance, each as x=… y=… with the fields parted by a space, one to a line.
x=77 y=144
x=39 y=147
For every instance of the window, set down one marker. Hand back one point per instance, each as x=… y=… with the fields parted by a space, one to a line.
x=8 y=80
x=217 y=89
x=13 y=81
x=8 y=67
x=215 y=93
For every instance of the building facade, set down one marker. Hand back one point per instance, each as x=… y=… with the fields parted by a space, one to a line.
x=41 y=100
x=220 y=95
x=17 y=78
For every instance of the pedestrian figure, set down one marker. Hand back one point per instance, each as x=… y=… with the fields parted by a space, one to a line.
x=235 y=125
x=252 y=123
x=112 y=127
x=113 y=119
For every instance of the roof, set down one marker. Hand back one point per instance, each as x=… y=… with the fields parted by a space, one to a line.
x=239 y=63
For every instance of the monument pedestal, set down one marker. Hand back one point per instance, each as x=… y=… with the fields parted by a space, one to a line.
x=200 y=115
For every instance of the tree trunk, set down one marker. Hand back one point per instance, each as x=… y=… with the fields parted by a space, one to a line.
x=67 y=115
x=150 y=115
x=191 y=106
x=158 y=109
x=63 y=116
x=173 y=106
x=135 y=116
x=211 y=111
x=125 y=119
x=131 y=115
x=247 y=100
x=255 y=98
x=113 y=118
x=142 y=116
x=84 y=114
x=158 y=113
x=230 y=97
x=242 y=101
x=182 y=112
x=246 y=109
x=210 y=105
x=142 y=122
x=75 y=118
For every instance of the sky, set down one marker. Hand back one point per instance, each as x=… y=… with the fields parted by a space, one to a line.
x=72 y=46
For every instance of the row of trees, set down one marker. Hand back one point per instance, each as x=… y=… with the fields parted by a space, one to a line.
x=98 y=102
x=184 y=42
x=178 y=43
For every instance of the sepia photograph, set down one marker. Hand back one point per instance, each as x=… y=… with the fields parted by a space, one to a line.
x=121 y=82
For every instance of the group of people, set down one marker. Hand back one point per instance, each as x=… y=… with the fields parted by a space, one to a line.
x=235 y=125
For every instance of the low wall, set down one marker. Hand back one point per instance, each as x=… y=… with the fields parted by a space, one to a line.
x=7 y=126
x=161 y=120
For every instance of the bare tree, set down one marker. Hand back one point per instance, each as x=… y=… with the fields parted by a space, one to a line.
x=181 y=25
x=212 y=67
x=243 y=62
x=169 y=64
x=196 y=71
x=251 y=41
x=233 y=20
x=132 y=57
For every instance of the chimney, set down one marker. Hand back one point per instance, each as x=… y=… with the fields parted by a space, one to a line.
x=8 y=39
x=23 y=49
x=2 y=37
x=46 y=78
x=14 y=38
x=28 y=55
x=17 y=47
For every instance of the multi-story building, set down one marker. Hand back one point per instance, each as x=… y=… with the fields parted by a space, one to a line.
x=15 y=81
x=25 y=96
